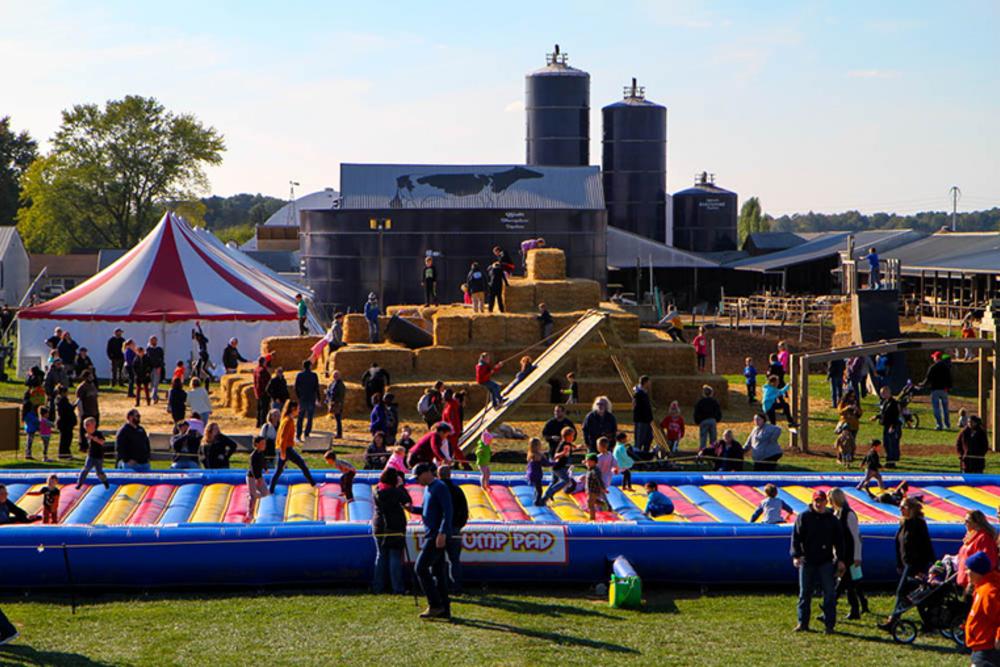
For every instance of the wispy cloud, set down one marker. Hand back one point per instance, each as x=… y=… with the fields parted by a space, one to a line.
x=517 y=106
x=873 y=74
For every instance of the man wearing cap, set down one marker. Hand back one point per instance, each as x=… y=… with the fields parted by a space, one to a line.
x=817 y=545
x=982 y=627
x=938 y=380
x=431 y=566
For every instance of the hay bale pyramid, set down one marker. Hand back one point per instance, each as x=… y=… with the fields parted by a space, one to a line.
x=461 y=335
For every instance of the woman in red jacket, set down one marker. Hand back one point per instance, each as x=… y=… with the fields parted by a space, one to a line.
x=484 y=374
x=454 y=409
x=980 y=536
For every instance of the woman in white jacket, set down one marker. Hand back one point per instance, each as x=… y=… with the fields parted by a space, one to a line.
x=851 y=581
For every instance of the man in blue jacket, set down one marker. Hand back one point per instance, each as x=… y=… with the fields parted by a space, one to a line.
x=431 y=567
x=372 y=312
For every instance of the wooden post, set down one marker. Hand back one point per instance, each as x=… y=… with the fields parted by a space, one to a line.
x=803 y=414
x=982 y=400
x=794 y=393
x=995 y=407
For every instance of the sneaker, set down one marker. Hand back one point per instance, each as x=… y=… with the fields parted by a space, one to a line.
x=9 y=638
x=435 y=612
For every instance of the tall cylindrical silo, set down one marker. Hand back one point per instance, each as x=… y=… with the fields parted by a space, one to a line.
x=634 y=164
x=705 y=217
x=557 y=102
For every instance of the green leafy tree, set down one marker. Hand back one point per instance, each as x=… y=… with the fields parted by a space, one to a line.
x=110 y=173
x=751 y=219
x=17 y=151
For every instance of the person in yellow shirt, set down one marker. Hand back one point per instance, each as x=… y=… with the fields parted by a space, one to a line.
x=286 y=445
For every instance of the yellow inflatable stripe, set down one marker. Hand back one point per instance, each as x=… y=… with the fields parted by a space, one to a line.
x=212 y=503
x=803 y=493
x=980 y=496
x=731 y=500
x=639 y=498
x=930 y=513
x=301 y=505
x=567 y=509
x=121 y=505
x=30 y=504
x=480 y=506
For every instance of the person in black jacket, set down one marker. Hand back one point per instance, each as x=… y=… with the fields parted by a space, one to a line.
x=460 y=517
x=938 y=380
x=157 y=366
x=835 y=376
x=914 y=553
x=231 y=357
x=115 y=352
x=642 y=415
x=185 y=444
x=65 y=422
x=307 y=393
x=972 y=445
x=143 y=373
x=496 y=279
x=707 y=415
x=475 y=282
x=132 y=444
x=277 y=389
x=374 y=380
x=818 y=552
x=552 y=431
x=389 y=530
x=889 y=415
x=429 y=277
x=599 y=422
x=11 y=513
x=216 y=448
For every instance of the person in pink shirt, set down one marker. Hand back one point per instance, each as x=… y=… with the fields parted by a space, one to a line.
x=980 y=536
x=398 y=460
x=700 y=343
x=783 y=354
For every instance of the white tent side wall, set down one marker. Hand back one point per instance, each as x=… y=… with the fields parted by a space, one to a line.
x=174 y=337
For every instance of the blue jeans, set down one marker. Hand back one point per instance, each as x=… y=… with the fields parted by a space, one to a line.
x=185 y=464
x=560 y=478
x=494 y=389
x=939 y=403
x=836 y=391
x=388 y=565
x=643 y=437
x=291 y=456
x=988 y=658
x=306 y=412
x=890 y=440
x=372 y=331
x=707 y=433
x=811 y=576
x=97 y=465
x=431 y=569
x=135 y=467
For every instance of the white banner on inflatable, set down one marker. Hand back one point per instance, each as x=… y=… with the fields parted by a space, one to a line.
x=503 y=545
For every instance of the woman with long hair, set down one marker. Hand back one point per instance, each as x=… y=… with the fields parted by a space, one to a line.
x=914 y=553
x=286 y=445
x=852 y=554
x=980 y=536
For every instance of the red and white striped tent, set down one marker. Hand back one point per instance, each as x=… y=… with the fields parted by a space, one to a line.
x=161 y=287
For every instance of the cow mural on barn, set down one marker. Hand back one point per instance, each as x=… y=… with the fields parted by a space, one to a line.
x=413 y=190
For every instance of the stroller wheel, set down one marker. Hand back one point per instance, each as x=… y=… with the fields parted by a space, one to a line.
x=904 y=632
x=956 y=634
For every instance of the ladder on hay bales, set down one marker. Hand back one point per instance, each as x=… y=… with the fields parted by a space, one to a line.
x=628 y=374
x=546 y=365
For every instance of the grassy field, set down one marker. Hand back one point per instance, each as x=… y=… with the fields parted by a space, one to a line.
x=500 y=627
x=530 y=625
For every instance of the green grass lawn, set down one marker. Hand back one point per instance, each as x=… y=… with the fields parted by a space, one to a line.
x=526 y=627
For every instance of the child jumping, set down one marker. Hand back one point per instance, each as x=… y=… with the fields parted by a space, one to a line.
x=623 y=460
x=535 y=462
x=771 y=507
x=596 y=489
x=483 y=457
x=50 y=500
x=561 y=472
x=347 y=473
x=605 y=461
x=256 y=486
x=872 y=464
x=95 y=453
x=657 y=504
x=750 y=373
x=673 y=426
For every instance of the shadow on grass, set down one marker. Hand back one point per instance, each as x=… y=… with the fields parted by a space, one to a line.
x=554 y=637
x=916 y=646
x=526 y=607
x=25 y=655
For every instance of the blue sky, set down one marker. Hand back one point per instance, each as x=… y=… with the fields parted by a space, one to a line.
x=809 y=105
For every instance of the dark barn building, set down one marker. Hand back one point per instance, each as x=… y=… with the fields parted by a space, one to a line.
x=396 y=215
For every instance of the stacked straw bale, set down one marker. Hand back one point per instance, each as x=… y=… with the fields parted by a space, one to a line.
x=452 y=328
x=355 y=328
x=546 y=264
x=287 y=351
x=353 y=360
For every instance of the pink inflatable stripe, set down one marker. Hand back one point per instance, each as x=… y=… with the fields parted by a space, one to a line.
x=507 y=504
x=683 y=506
x=152 y=504
x=69 y=497
x=236 y=511
x=329 y=507
x=600 y=516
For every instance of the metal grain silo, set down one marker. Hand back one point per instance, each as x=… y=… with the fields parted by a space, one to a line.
x=705 y=216
x=634 y=163
x=557 y=101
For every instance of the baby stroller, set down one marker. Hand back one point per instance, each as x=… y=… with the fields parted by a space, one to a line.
x=941 y=607
x=909 y=417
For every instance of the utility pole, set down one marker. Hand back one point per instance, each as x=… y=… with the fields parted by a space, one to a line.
x=955 y=194
x=380 y=225
x=292 y=218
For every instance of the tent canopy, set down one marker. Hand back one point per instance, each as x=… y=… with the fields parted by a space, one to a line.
x=173 y=274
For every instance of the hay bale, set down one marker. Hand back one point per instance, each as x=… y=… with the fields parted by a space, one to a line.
x=686 y=390
x=287 y=351
x=546 y=264
x=249 y=402
x=568 y=295
x=487 y=330
x=353 y=360
x=434 y=363
x=519 y=296
x=226 y=383
x=355 y=328
x=662 y=358
x=452 y=328
x=842 y=318
x=627 y=326
x=523 y=329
